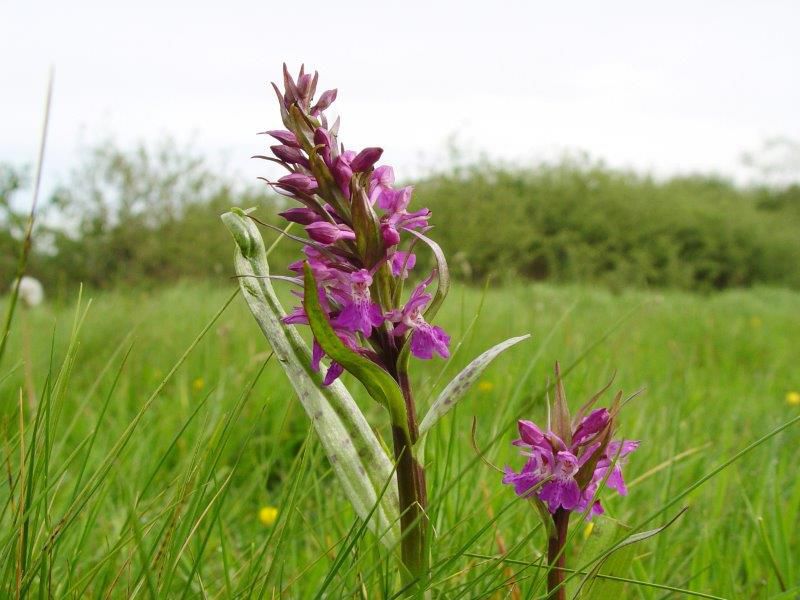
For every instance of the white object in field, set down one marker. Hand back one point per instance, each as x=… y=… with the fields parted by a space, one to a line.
x=31 y=291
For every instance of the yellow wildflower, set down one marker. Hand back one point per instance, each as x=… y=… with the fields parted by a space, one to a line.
x=793 y=398
x=485 y=386
x=198 y=384
x=267 y=515
x=587 y=531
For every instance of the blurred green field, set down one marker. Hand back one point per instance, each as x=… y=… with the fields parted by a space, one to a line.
x=133 y=489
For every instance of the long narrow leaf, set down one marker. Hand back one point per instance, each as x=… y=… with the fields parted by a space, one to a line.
x=358 y=459
x=455 y=390
x=442 y=275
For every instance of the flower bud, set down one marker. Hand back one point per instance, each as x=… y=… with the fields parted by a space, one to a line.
x=391 y=237
x=343 y=172
x=323 y=138
x=365 y=159
x=325 y=100
x=287 y=154
x=285 y=137
x=303 y=216
x=328 y=233
x=304 y=83
x=298 y=182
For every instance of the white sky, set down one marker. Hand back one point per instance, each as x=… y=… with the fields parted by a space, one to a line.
x=666 y=87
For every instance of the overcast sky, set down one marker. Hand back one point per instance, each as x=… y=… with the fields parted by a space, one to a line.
x=666 y=87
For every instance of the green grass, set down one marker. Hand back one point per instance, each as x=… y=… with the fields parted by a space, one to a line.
x=131 y=479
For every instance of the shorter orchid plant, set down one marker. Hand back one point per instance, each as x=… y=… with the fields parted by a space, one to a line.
x=565 y=468
x=358 y=254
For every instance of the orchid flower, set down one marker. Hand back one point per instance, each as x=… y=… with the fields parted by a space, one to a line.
x=565 y=466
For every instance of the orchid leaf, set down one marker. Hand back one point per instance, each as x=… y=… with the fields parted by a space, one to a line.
x=442 y=275
x=379 y=383
x=357 y=457
x=544 y=516
x=455 y=390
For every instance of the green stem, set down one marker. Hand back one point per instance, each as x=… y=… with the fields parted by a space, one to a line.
x=412 y=491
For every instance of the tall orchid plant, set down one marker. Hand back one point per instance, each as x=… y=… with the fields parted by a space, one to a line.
x=358 y=255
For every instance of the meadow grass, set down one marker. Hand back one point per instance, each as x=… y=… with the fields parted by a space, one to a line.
x=148 y=429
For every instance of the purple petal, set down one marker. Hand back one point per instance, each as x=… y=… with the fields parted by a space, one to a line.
x=590 y=426
x=325 y=100
x=316 y=355
x=382 y=176
x=360 y=316
x=522 y=481
x=296 y=317
x=333 y=373
x=566 y=464
x=402 y=263
x=627 y=446
x=529 y=433
x=395 y=201
x=362 y=277
x=588 y=453
x=415 y=220
x=616 y=482
x=427 y=339
x=559 y=493
x=323 y=138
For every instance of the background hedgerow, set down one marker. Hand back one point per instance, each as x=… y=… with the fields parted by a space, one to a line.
x=140 y=217
x=580 y=221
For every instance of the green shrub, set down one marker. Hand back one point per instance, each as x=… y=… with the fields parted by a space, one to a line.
x=151 y=215
x=580 y=221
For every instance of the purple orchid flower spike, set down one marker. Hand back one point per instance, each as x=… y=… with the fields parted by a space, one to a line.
x=332 y=184
x=361 y=238
x=564 y=470
x=360 y=231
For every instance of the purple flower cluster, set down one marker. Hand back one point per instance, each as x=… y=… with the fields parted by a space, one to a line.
x=355 y=219
x=572 y=471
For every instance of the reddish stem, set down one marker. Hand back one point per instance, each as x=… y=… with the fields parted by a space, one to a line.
x=556 y=557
